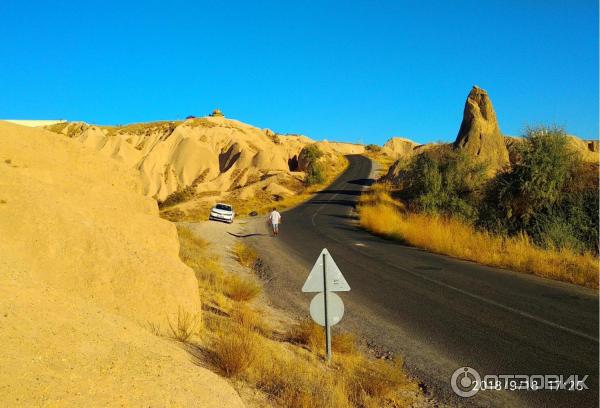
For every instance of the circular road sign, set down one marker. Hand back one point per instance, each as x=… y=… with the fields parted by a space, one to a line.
x=335 y=307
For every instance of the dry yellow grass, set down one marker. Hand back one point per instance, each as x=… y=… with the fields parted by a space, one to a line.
x=383 y=160
x=245 y=254
x=242 y=289
x=207 y=267
x=248 y=317
x=244 y=347
x=454 y=238
x=235 y=349
x=310 y=334
x=186 y=325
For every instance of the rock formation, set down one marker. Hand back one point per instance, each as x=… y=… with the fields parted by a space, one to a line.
x=212 y=158
x=398 y=147
x=587 y=149
x=479 y=132
x=87 y=267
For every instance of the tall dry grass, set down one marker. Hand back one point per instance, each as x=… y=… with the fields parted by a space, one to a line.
x=242 y=289
x=245 y=254
x=185 y=326
x=235 y=349
x=311 y=335
x=454 y=238
x=289 y=370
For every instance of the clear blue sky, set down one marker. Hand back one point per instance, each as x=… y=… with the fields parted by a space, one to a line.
x=344 y=70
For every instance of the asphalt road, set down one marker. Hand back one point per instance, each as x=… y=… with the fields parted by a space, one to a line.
x=439 y=313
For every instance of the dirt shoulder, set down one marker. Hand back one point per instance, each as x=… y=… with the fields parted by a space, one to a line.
x=283 y=308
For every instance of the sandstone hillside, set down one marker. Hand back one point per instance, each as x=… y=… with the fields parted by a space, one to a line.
x=210 y=154
x=87 y=268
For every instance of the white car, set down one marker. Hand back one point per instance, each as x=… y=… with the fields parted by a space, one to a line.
x=222 y=212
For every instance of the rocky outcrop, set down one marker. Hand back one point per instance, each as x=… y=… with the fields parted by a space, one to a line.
x=398 y=147
x=210 y=158
x=479 y=133
x=587 y=149
x=87 y=267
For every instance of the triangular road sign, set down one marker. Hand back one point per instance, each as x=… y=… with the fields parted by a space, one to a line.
x=335 y=280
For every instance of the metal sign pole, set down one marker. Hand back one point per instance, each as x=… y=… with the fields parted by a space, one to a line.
x=327 y=328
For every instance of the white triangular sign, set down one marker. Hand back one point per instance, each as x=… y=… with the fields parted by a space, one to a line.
x=335 y=280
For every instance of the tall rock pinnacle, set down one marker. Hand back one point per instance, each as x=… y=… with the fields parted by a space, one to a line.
x=479 y=133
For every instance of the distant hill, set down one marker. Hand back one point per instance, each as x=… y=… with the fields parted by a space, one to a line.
x=212 y=158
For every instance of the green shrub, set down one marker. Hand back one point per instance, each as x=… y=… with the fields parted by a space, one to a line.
x=445 y=181
x=373 y=148
x=548 y=193
x=315 y=174
x=310 y=154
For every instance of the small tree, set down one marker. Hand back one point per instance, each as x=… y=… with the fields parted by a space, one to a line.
x=315 y=172
x=310 y=153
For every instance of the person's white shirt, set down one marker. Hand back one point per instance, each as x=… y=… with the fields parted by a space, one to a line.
x=275 y=217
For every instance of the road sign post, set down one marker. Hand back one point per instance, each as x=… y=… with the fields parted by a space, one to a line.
x=327 y=326
x=326 y=308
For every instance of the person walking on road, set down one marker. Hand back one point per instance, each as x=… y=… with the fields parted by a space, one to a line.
x=274 y=219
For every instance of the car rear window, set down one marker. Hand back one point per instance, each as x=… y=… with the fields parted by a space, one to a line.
x=223 y=207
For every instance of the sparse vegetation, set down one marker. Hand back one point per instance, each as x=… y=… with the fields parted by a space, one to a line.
x=235 y=349
x=177 y=197
x=242 y=289
x=288 y=370
x=373 y=148
x=185 y=326
x=311 y=335
x=245 y=254
x=202 y=122
x=261 y=202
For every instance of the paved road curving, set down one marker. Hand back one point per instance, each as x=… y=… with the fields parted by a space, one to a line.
x=438 y=312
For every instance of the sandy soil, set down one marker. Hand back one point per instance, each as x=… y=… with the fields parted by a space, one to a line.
x=87 y=266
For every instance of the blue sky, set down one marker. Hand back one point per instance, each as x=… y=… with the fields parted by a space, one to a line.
x=345 y=70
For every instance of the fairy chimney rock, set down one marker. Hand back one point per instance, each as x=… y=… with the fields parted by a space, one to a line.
x=479 y=133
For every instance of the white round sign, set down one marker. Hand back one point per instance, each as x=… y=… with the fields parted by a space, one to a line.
x=335 y=307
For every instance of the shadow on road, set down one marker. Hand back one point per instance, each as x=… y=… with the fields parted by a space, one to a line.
x=348 y=203
x=347 y=192
x=246 y=235
x=362 y=182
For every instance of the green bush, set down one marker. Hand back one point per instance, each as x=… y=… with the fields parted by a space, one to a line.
x=315 y=174
x=310 y=153
x=445 y=181
x=373 y=148
x=548 y=193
